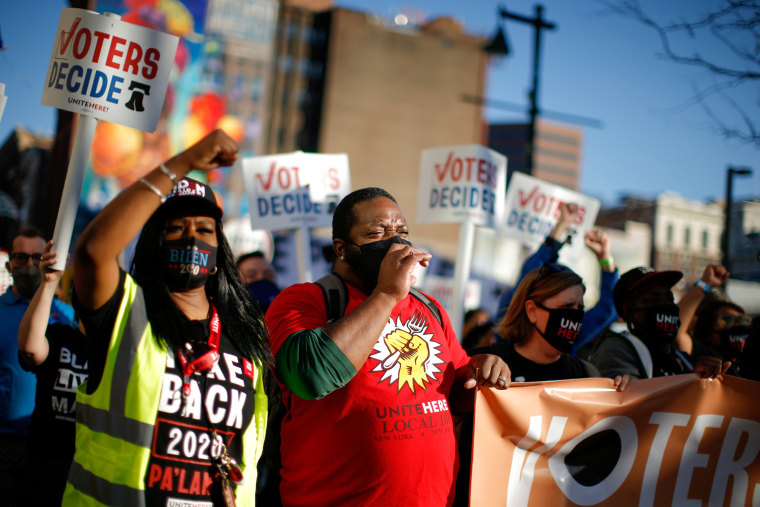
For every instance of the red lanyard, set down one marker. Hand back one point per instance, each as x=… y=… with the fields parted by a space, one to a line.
x=206 y=361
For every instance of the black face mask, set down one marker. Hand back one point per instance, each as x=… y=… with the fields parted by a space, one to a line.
x=188 y=263
x=661 y=323
x=562 y=327
x=26 y=280
x=367 y=262
x=732 y=341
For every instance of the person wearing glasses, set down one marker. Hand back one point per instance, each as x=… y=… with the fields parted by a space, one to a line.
x=17 y=387
x=174 y=411
x=648 y=348
x=721 y=329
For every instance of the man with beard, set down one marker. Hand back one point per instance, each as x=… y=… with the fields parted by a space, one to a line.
x=369 y=395
x=17 y=387
x=644 y=300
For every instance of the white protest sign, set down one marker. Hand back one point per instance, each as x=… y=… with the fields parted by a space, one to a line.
x=532 y=209
x=243 y=239
x=461 y=184
x=3 y=99
x=109 y=69
x=278 y=189
x=442 y=289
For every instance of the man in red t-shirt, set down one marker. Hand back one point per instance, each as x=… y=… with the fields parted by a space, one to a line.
x=369 y=395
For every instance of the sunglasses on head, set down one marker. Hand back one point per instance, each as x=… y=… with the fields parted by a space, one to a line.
x=549 y=269
x=726 y=321
x=23 y=258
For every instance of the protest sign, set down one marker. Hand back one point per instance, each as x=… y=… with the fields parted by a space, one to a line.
x=105 y=69
x=109 y=69
x=677 y=440
x=278 y=189
x=461 y=184
x=3 y=99
x=442 y=289
x=532 y=208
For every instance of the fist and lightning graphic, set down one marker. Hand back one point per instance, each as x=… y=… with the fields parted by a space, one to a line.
x=406 y=354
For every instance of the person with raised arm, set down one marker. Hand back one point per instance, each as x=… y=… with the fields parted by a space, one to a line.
x=174 y=412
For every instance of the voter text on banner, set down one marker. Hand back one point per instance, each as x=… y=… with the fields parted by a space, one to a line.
x=677 y=440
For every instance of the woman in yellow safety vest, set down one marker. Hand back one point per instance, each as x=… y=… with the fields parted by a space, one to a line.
x=174 y=411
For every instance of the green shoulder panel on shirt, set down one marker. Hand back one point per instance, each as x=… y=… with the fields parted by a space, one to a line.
x=311 y=365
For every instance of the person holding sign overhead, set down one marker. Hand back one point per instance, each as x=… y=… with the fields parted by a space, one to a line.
x=174 y=411
x=603 y=313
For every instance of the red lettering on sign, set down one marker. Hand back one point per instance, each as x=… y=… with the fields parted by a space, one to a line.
x=65 y=40
x=526 y=200
x=440 y=172
x=79 y=50
x=134 y=54
x=152 y=56
x=113 y=51
x=100 y=36
x=285 y=177
x=333 y=182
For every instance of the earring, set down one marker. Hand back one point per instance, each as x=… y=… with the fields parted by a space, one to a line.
x=213 y=272
x=342 y=258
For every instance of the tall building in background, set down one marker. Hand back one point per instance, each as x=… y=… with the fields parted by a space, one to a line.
x=557 y=156
x=240 y=59
x=356 y=83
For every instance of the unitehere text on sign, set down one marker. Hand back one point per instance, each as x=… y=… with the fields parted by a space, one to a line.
x=109 y=69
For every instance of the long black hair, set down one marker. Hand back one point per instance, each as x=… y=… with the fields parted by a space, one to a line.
x=241 y=317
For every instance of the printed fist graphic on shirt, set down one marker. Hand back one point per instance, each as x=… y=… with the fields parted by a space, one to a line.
x=412 y=350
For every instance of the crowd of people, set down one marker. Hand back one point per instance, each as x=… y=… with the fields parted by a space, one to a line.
x=164 y=384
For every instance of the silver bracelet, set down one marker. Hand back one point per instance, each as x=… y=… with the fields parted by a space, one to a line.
x=168 y=173
x=154 y=188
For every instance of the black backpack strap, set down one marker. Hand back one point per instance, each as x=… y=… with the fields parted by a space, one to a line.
x=335 y=294
x=422 y=297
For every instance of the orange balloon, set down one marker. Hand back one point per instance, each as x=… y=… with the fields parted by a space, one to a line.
x=115 y=149
x=232 y=126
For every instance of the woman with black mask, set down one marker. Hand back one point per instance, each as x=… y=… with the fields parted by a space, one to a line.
x=721 y=329
x=174 y=411
x=540 y=327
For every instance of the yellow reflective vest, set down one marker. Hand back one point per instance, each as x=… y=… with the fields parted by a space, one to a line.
x=114 y=428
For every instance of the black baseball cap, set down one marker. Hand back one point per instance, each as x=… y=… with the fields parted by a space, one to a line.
x=192 y=196
x=638 y=277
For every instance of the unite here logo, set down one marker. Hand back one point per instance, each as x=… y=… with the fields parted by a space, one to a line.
x=83 y=58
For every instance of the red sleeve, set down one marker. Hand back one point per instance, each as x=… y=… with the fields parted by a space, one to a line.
x=299 y=307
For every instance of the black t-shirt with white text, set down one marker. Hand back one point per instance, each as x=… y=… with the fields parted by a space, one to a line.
x=53 y=421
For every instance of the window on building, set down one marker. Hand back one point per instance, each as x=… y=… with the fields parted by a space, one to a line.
x=704 y=239
x=687 y=236
x=670 y=233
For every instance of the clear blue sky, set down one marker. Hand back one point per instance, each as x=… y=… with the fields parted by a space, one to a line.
x=594 y=65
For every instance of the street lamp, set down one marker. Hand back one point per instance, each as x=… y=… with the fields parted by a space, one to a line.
x=499 y=47
x=732 y=171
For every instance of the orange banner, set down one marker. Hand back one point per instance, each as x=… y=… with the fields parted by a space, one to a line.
x=666 y=441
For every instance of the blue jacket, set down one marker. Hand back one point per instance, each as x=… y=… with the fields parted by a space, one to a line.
x=595 y=320
x=17 y=387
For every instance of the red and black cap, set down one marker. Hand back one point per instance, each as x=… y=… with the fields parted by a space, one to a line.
x=639 y=277
x=191 y=196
